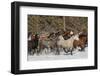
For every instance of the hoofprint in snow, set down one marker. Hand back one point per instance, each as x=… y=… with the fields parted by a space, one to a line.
x=50 y=56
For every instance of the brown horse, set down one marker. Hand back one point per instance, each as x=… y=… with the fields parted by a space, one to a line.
x=33 y=43
x=81 y=42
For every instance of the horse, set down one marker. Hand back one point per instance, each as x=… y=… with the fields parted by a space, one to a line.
x=81 y=42
x=43 y=43
x=29 y=46
x=53 y=42
x=49 y=43
x=35 y=43
x=43 y=46
x=67 y=44
x=32 y=43
x=53 y=45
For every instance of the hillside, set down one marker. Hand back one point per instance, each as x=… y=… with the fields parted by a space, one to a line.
x=39 y=23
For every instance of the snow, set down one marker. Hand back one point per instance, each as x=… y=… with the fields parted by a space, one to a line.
x=51 y=56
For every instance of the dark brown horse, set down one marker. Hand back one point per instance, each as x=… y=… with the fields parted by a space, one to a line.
x=33 y=44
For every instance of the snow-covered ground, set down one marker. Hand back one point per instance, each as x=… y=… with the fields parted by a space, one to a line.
x=50 y=56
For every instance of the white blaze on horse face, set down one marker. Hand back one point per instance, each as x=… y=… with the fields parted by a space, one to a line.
x=71 y=33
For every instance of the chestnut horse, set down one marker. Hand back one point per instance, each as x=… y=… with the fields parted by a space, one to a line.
x=81 y=42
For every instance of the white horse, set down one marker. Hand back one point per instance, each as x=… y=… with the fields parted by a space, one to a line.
x=67 y=44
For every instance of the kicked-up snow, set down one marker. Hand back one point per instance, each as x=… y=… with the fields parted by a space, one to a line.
x=51 y=56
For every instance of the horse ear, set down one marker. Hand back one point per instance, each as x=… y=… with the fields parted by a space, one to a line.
x=80 y=33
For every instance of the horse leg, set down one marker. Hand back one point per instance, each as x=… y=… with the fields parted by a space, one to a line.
x=82 y=49
x=51 y=49
x=57 y=52
x=71 y=51
x=38 y=51
x=46 y=50
x=35 y=51
x=65 y=50
x=32 y=52
x=29 y=50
